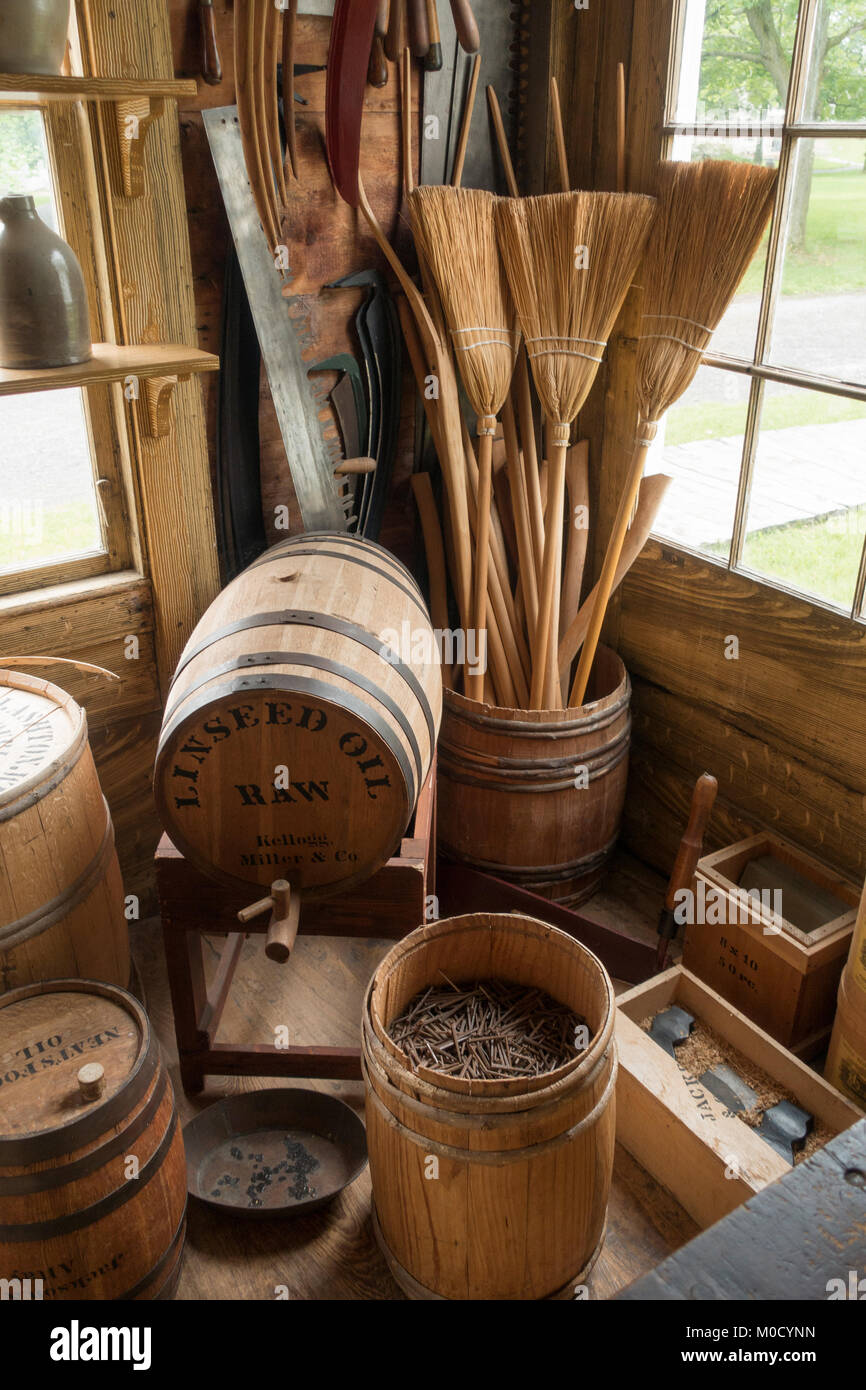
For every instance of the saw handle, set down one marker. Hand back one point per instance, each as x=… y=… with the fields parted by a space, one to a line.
x=211 y=65
x=692 y=843
x=466 y=26
x=285 y=909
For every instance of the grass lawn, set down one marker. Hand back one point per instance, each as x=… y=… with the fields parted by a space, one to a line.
x=833 y=260
x=723 y=419
x=817 y=557
x=58 y=531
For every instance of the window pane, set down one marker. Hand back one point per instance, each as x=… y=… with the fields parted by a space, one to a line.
x=836 y=81
x=737 y=333
x=48 y=506
x=736 y=60
x=807 y=511
x=820 y=318
x=700 y=444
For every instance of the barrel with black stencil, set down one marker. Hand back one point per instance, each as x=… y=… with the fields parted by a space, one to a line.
x=61 y=892
x=92 y=1169
x=302 y=719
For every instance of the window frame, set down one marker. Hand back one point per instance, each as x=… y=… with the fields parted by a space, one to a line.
x=76 y=184
x=758 y=370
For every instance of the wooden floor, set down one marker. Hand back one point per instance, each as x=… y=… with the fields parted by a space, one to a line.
x=333 y=1255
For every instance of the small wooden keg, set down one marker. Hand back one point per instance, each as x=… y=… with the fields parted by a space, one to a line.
x=490 y=1189
x=846 y=1059
x=61 y=893
x=302 y=719
x=535 y=797
x=92 y=1170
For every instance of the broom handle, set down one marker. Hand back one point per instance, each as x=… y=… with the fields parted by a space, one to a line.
x=482 y=542
x=530 y=459
x=520 y=510
x=608 y=573
x=542 y=648
x=502 y=142
x=434 y=550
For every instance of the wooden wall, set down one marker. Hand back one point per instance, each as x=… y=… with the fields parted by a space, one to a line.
x=782 y=726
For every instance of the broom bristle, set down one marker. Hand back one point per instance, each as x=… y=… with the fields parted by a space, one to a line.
x=456 y=235
x=711 y=217
x=570 y=258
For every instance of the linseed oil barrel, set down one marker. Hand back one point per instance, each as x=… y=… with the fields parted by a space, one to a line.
x=300 y=726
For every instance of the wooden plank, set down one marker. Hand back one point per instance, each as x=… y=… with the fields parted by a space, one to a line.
x=797 y=681
x=770 y=786
x=796 y=1241
x=110 y=362
x=149 y=241
x=124 y=751
x=20 y=86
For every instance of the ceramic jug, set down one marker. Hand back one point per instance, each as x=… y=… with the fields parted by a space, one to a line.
x=44 y=318
x=33 y=35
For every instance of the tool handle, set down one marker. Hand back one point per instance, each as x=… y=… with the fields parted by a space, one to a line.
x=351 y=467
x=467 y=29
x=419 y=29
x=377 y=73
x=395 y=39
x=211 y=66
x=433 y=61
x=692 y=843
x=383 y=14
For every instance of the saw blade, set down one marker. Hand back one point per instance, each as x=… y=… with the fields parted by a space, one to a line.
x=309 y=456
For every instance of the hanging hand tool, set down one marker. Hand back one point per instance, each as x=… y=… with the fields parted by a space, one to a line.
x=688 y=854
x=377 y=74
x=433 y=61
x=419 y=29
x=289 y=32
x=395 y=39
x=351 y=36
x=467 y=28
x=211 y=66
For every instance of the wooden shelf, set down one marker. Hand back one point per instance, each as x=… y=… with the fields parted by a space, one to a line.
x=20 y=86
x=111 y=362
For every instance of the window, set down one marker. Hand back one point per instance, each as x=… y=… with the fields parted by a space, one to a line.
x=62 y=504
x=768 y=447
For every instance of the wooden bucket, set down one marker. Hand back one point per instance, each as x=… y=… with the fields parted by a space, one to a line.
x=92 y=1191
x=61 y=893
x=535 y=797
x=846 y=1059
x=297 y=737
x=490 y=1189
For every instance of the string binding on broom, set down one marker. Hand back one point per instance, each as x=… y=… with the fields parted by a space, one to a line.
x=672 y=338
x=564 y=351
x=485 y=342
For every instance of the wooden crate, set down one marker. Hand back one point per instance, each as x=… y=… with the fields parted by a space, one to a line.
x=783 y=978
x=685 y=1138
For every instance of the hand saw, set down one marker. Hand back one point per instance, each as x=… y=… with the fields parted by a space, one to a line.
x=310 y=459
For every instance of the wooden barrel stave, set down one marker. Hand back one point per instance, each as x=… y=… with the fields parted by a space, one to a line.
x=307 y=620
x=71 y=1211
x=503 y=771
x=61 y=891
x=518 y=1206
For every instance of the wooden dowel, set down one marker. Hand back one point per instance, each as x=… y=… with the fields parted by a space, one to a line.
x=275 y=149
x=620 y=127
x=577 y=485
x=530 y=458
x=434 y=550
x=608 y=573
x=290 y=27
x=406 y=120
x=559 y=136
x=502 y=142
x=520 y=512
x=543 y=650
x=466 y=122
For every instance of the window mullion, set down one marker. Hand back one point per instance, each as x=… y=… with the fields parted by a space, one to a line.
x=860 y=587
x=747 y=468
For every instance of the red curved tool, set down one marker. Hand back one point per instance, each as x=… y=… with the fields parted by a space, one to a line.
x=348 y=61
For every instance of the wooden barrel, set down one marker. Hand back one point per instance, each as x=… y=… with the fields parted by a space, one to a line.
x=302 y=719
x=490 y=1189
x=92 y=1170
x=61 y=893
x=535 y=797
x=846 y=1059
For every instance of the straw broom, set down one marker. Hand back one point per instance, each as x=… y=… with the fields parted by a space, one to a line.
x=456 y=235
x=711 y=218
x=566 y=307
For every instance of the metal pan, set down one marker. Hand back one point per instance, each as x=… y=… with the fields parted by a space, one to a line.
x=273 y=1153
